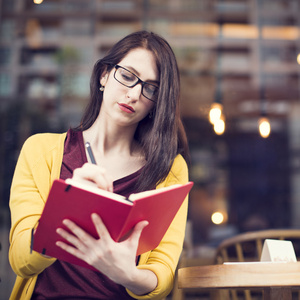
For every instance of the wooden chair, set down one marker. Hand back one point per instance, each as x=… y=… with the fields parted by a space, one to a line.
x=248 y=247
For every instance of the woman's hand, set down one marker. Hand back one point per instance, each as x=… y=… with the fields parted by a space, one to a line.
x=94 y=174
x=115 y=260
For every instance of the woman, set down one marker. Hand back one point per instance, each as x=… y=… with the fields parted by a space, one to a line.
x=133 y=125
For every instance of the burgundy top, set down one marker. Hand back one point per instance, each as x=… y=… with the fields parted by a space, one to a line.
x=63 y=280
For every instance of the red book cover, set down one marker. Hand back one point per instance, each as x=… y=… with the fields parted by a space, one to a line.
x=120 y=215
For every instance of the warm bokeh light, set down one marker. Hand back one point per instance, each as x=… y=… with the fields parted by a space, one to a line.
x=264 y=127
x=280 y=32
x=34 y=33
x=298 y=58
x=38 y=1
x=217 y=218
x=246 y=31
x=219 y=126
x=215 y=112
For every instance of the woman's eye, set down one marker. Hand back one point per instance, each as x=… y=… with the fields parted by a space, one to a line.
x=150 y=89
x=127 y=76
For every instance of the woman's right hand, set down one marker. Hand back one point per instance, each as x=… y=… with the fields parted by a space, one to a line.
x=95 y=175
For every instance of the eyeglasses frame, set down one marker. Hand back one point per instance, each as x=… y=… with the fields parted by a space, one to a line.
x=139 y=81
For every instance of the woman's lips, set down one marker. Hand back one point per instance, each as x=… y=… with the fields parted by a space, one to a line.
x=126 y=108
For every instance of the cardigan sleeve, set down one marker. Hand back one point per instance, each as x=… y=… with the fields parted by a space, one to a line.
x=34 y=173
x=164 y=259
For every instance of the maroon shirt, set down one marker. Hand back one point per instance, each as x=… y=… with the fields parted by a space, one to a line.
x=63 y=280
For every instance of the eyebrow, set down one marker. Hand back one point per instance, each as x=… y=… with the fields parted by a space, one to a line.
x=133 y=70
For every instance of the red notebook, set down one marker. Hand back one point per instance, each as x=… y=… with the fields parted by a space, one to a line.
x=74 y=201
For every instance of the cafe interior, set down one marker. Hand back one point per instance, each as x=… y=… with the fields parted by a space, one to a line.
x=240 y=105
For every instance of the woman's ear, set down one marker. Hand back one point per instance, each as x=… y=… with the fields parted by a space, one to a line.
x=103 y=79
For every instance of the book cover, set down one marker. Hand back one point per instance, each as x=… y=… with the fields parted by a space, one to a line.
x=120 y=215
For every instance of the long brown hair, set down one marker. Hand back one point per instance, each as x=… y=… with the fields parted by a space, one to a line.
x=161 y=136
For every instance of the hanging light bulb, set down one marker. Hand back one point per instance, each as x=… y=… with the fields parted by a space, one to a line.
x=264 y=127
x=216 y=116
x=215 y=112
x=217 y=218
x=38 y=1
x=219 y=125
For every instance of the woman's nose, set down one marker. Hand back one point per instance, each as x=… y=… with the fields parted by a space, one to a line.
x=135 y=92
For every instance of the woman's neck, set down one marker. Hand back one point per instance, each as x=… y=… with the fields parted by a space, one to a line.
x=108 y=139
x=115 y=149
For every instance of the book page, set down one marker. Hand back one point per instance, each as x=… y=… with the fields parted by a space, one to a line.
x=141 y=195
x=94 y=189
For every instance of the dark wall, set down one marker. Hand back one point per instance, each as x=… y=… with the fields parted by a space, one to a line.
x=259 y=181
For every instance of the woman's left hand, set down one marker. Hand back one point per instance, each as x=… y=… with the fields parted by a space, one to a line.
x=115 y=260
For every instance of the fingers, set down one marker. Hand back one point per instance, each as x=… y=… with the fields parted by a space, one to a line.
x=105 y=235
x=101 y=228
x=140 y=226
x=82 y=245
x=137 y=231
x=75 y=247
x=79 y=238
x=95 y=174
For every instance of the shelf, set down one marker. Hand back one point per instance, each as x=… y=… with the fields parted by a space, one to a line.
x=211 y=39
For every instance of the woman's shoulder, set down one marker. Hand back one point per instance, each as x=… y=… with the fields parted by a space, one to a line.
x=43 y=142
x=178 y=173
x=179 y=163
x=44 y=138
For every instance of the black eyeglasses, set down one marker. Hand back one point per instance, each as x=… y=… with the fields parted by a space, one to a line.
x=129 y=79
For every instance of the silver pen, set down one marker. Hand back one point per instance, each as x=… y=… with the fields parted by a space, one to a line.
x=90 y=152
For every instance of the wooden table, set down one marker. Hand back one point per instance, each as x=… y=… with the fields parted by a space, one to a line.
x=276 y=279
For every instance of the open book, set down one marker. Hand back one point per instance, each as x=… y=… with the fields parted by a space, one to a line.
x=76 y=201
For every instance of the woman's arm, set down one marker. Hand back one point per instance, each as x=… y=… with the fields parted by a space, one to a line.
x=38 y=165
x=164 y=259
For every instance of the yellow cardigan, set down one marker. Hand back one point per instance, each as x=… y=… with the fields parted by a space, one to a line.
x=38 y=165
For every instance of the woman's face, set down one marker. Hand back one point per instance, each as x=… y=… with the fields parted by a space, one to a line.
x=124 y=105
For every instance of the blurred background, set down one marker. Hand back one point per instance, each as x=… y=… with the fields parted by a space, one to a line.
x=240 y=99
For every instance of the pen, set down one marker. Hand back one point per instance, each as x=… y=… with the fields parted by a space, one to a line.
x=90 y=152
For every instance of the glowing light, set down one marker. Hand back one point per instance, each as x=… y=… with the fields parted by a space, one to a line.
x=219 y=126
x=38 y=1
x=217 y=218
x=215 y=112
x=298 y=58
x=264 y=127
